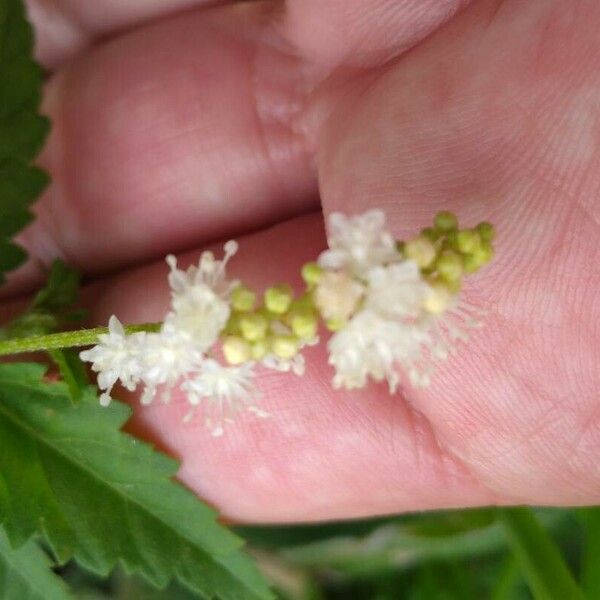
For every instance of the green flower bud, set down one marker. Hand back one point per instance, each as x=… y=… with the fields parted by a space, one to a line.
x=449 y=265
x=311 y=273
x=259 y=349
x=304 y=302
x=232 y=327
x=467 y=240
x=445 y=221
x=335 y=324
x=486 y=231
x=471 y=263
x=481 y=256
x=278 y=298
x=242 y=298
x=253 y=326
x=421 y=250
x=285 y=346
x=485 y=253
x=304 y=324
x=236 y=350
x=431 y=234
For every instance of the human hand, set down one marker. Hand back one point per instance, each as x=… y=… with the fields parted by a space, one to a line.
x=220 y=122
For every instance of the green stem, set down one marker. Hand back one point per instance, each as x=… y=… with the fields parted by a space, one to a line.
x=547 y=574
x=65 y=339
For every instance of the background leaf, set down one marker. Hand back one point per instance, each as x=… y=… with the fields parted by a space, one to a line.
x=22 y=130
x=102 y=496
x=538 y=556
x=25 y=574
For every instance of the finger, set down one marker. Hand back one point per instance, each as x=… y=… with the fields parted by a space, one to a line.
x=496 y=117
x=167 y=137
x=327 y=32
x=173 y=134
x=321 y=454
x=358 y=33
x=64 y=27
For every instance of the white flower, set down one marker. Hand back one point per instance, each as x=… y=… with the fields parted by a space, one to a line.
x=225 y=391
x=372 y=346
x=397 y=291
x=166 y=357
x=295 y=365
x=200 y=297
x=358 y=243
x=115 y=358
x=337 y=295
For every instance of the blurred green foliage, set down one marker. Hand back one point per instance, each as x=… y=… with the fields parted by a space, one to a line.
x=464 y=554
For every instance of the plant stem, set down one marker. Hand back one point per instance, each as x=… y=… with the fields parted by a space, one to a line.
x=546 y=572
x=64 y=339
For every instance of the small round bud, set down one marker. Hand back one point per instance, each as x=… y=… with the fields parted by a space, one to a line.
x=335 y=324
x=430 y=233
x=311 y=273
x=445 y=221
x=467 y=241
x=486 y=231
x=304 y=324
x=485 y=253
x=242 y=298
x=449 y=265
x=471 y=263
x=278 y=298
x=303 y=302
x=259 y=349
x=253 y=326
x=438 y=300
x=481 y=256
x=421 y=250
x=236 y=350
x=284 y=346
x=232 y=327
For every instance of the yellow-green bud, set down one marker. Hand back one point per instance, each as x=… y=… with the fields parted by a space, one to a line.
x=482 y=255
x=236 y=350
x=445 y=221
x=449 y=265
x=259 y=349
x=242 y=298
x=335 y=324
x=253 y=326
x=471 y=263
x=486 y=231
x=311 y=273
x=421 y=250
x=438 y=300
x=304 y=324
x=278 y=298
x=467 y=241
x=232 y=327
x=284 y=346
x=430 y=233
x=303 y=302
x=485 y=253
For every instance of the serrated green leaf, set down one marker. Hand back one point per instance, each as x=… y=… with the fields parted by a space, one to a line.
x=22 y=130
x=61 y=290
x=102 y=496
x=25 y=574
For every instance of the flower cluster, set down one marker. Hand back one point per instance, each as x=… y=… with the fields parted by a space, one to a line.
x=392 y=306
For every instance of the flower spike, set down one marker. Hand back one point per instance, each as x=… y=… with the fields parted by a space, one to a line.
x=393 y=308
